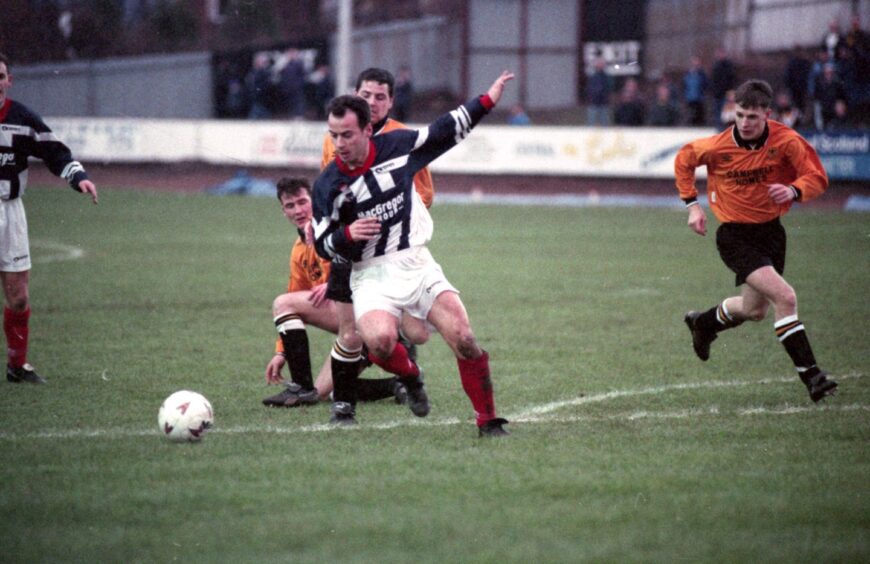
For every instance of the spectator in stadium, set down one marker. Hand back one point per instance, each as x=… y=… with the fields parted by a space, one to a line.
x=665 y=111
x=323 y=89
x=797 y=76
x=376 y=87
x=404 y=94
x=784 y=111
x=748 y=193
x=857 y=44
x=24 y=135
x=235 y=100
x=832 y=39
x=723 y=77
x=695 y=91
x=366 y=210
x=517 y=116
x=598 y=88
x=630 y=109
x=258 y=84
x=828 y=89
x=291 y=83
x=305 y=303
x=840 y=120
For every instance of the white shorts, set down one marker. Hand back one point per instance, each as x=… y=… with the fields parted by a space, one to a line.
x=14 y=244
x=408 y=283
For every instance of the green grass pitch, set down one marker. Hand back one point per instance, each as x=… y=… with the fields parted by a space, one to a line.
x=625 y=447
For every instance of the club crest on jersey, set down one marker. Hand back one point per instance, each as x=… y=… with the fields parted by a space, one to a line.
x=386 y=167
x=772 y=153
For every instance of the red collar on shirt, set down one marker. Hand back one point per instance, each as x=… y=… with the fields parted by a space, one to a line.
x=359 y=171
x=5 y=110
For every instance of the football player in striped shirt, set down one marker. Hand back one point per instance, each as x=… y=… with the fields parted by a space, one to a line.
x=305 y=303
x=367 y=211
x=756 y=170
x=376 y=87
x=23 y=134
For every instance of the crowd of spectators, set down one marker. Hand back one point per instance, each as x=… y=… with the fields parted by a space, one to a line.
x=289 y=85
x=825 y=88
x=278 y=85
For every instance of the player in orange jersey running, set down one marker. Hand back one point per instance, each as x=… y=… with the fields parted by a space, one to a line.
x=756 y=169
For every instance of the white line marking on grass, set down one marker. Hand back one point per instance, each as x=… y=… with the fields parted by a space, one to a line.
x=597 y=398
x=61 y=252
x=691 y=414
x=538 y=414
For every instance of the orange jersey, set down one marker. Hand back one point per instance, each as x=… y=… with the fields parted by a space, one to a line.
x=422 y=180
x=307 y=270
x=738 y=177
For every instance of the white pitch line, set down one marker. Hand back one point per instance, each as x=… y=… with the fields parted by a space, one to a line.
x=597 y=398
x=62 y=252
x=533 y=415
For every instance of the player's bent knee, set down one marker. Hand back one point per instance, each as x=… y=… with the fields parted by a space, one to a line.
x=757 y=314
x=382 y=345
x=788 y=300
x=467 y=346
x=17 y=303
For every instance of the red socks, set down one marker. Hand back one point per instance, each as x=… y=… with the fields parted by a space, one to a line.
x=16 y=329
x=398 y=363
x=478 y=386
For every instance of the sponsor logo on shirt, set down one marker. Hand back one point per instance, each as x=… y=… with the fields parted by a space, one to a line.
x=386 y=210
x=751 y=176
x=7 y=159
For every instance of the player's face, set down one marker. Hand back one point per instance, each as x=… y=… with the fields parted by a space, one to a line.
x=297 y=208
x=351 y=142
x=5 y=82
x=751 y=121
x=378 y=97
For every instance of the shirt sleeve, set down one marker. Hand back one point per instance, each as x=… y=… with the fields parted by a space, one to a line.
x=423 y=185
x=328 y=152
x=56 y=156
x=812 y=179
x=448 y=130
x=687 y=160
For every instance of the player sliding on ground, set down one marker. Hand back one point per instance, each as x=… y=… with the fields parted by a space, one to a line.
x=756 y=169
x=366 y=211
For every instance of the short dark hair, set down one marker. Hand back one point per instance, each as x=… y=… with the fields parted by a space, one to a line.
x=754 y=94
x=374 y=74
x=5 y=60
x=340 y=105
x=292 y=185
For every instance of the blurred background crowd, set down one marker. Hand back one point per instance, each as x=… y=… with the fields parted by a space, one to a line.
x=825 y=88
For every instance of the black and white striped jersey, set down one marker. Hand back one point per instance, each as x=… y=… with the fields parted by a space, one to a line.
x=23 y=134
x=384 y=188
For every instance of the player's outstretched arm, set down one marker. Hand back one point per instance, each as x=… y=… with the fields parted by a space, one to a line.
x=88 y=187
x=497 y=87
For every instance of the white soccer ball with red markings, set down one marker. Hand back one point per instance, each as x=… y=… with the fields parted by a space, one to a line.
x=185 y=416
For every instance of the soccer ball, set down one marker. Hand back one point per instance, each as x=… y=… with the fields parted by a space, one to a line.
x=185 y=416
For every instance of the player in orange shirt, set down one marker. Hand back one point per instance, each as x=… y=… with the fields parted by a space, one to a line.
x=756 y=169
x=306 y=303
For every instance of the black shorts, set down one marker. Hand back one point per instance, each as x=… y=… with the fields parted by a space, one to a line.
x=338 y=283
x=746 y=247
